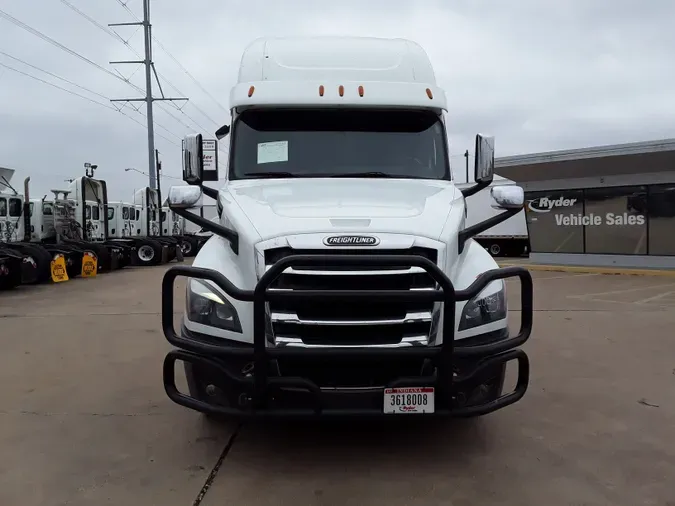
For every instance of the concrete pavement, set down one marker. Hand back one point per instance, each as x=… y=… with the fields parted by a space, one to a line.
x=85 y=421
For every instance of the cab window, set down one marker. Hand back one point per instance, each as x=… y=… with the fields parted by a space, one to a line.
x=111 y=213
x=95 y=213
x=87 y=212
x=125 y=213
x=47 y=210
x=15 y=208
x=163 y=216
x=3 y=207
x=30 y=209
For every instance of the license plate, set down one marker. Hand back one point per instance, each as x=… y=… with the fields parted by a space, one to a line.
x=409 y=400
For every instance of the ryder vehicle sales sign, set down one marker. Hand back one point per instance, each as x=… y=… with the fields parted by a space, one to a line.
x=546 y=205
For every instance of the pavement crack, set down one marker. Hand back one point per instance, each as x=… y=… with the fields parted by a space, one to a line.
x=54 y=413
x=214 y=472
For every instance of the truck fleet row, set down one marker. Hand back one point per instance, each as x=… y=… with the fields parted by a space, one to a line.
x=78 y=232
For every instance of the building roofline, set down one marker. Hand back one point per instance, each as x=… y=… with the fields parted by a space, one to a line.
x=632 y=148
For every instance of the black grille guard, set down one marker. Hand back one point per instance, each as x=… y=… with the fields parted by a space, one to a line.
x=487 y=355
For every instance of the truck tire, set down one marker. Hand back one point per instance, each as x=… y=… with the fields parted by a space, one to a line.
x=10 y=269
x=148 y=253
x=495 y=249
x=42 y=260
x=189 y=245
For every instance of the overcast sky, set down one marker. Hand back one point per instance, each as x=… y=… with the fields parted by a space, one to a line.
x=539 y=75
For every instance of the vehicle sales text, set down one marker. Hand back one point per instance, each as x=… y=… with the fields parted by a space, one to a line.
x=598 y=219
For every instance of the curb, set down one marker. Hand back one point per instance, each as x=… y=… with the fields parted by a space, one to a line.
x=592 y=270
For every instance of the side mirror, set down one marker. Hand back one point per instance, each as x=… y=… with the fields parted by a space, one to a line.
x=484 y=166
x=184 y=197
x=222 y=131
x=193 y=159
x=507 y=197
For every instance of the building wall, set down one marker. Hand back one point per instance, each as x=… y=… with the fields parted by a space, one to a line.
x=601 y=210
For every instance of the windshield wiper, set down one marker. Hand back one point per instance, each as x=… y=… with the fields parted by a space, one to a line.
x=269 y=174
x=362 y=174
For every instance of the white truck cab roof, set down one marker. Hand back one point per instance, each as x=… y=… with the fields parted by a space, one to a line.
x=333 y=71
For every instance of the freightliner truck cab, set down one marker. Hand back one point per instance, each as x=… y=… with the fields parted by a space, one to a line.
x=341 y=279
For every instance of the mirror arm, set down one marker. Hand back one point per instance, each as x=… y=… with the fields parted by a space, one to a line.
x=472 y=190
x=209 y=192
x=473 y=230
x=221 y=231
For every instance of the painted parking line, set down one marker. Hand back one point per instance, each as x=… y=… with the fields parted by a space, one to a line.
x=621 y=291
x=567 y=276
x=657 y=297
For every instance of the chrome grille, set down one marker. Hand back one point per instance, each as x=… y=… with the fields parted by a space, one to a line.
x=316 y=323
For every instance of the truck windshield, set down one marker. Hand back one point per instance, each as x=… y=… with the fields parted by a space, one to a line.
x=339 y=143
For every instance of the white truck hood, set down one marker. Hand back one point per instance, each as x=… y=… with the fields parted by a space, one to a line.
x=296 y=206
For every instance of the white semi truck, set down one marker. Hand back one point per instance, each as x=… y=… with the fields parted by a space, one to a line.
x=342 y=278
x=28 y=229
x=506 y=239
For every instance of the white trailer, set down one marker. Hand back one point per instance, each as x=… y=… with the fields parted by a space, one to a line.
x=508 y=238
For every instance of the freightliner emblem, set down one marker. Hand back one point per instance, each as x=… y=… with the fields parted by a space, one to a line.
x=351 y=240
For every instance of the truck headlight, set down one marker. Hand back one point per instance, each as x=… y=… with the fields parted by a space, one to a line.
x=207 y=307
x=484 y=309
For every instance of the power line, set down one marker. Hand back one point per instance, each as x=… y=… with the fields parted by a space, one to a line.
x=119 y=38
x=107 y=106
x=148 y=99
x=76 y=85
x=44 y=37
x=53 y=75
x=116 y=36
x=161 y=46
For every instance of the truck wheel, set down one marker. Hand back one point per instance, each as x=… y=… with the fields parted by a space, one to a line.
x=495 y=249
x=42 y=261
x=149 y=253
x=189 y=246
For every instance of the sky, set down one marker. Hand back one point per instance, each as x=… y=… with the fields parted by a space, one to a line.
x=539 y=75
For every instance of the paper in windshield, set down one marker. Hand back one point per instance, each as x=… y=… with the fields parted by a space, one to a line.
x=271 y=152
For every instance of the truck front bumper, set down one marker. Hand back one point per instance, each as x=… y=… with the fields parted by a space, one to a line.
x=249 y=381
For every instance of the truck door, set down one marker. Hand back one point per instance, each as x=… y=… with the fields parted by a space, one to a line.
x=36 y=225
x=48 y=230
x=3 y=221
x=127 y=224
x=153 y=223
x=14 y=223
x=113 y=221
x=164 y=218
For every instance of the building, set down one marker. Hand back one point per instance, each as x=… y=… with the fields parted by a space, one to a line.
x=607 y=205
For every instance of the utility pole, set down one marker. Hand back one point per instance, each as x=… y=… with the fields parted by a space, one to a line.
x=466 y=155
x=149 y=99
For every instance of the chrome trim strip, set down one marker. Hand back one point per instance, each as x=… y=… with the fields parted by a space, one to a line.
x=284 y=341
x=425 y=288
x=411 y=270
x=414 y=317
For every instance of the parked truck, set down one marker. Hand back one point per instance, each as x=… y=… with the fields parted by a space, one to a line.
x=342 y=278
x=506 y=239
x=189 y=240
x=30 y=245
x=156 y=248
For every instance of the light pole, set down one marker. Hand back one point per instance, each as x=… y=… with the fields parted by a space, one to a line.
x=135 y=170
